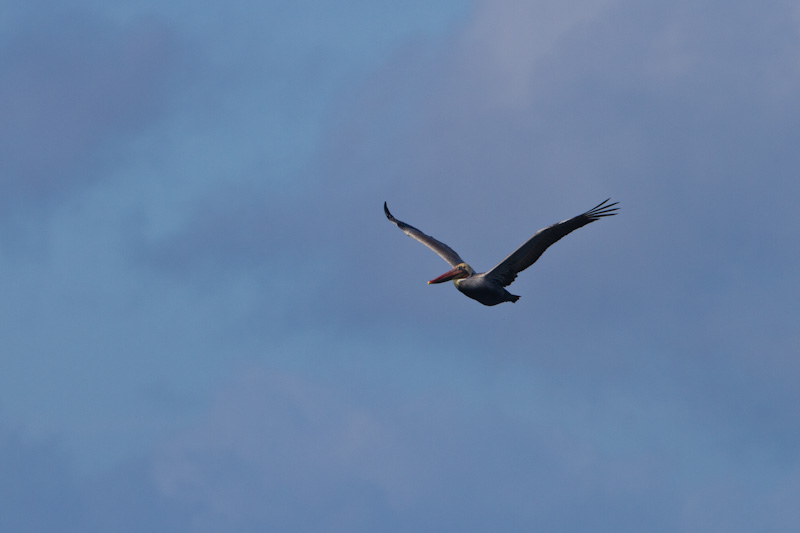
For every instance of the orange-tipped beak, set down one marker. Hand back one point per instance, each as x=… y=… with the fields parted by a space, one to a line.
x=457 y=272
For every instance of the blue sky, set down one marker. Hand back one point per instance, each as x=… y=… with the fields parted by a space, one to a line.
x=208 y=325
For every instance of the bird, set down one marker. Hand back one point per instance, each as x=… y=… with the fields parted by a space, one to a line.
x=488 y=288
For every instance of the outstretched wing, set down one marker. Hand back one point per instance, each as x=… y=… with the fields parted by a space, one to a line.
x=527 y=254
x=446 y=253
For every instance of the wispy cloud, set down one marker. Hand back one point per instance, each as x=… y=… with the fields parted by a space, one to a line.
x=225 y=301
x=75 y=88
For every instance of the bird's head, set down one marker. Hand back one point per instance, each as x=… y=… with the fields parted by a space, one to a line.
x=462 y=270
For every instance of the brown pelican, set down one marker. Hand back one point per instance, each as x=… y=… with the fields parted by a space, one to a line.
x=487 y=288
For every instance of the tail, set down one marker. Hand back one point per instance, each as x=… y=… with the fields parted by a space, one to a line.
x=514 y=298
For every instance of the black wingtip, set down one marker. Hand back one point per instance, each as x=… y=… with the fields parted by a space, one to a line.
x=603 y=209
x=386 y=210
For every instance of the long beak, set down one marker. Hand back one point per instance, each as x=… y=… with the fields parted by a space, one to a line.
x=447 y=276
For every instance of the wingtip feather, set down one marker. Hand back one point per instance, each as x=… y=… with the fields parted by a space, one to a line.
x=386 y=210
x=603 y=209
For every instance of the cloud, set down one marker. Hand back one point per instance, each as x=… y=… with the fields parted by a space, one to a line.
x=282 y=451
x=278 y=449
x=275 y=444
x=508 y=42
x=36 y=485
x=76 y=88
x=529 y=114
x=42 y=493
x=292 y=445
x=646 y=377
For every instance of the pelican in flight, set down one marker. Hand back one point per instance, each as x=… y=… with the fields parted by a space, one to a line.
x=488 y=288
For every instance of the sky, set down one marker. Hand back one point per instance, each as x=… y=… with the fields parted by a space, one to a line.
x=208 y=325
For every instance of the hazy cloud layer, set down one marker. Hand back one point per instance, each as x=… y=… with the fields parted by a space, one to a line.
x=223 y=333
x=70 y=99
